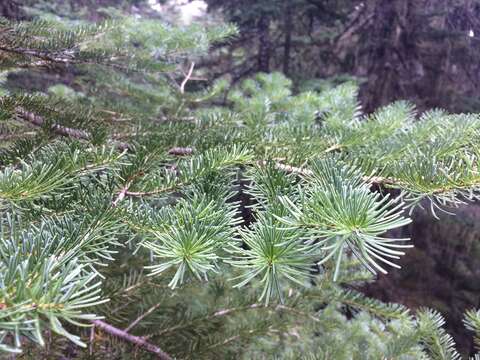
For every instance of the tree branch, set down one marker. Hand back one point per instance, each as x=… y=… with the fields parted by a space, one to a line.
x=14 y=136
x=307 y=172
x=65 y=58
x=143 y=316
x=136 y=340
x=153 y=192
x=122 y=193
x=180 y=151
x=189 y=75
x=37 y=120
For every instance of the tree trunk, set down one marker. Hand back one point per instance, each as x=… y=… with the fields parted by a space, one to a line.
x=264 y=47
x=288 y=37
x=393 y=53
x=10 y=9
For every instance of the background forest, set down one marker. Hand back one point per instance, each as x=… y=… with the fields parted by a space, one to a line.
x=168 y=82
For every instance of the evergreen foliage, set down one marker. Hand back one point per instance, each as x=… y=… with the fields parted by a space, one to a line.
x=209 y=231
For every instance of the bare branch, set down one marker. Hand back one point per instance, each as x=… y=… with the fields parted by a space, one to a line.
x=7 y=137
x=122 y=193
x=180 y=151
x=143 y=316
x=135 y=340
x=189 y=75
x=307 y=172
x=153 y=192
x=38 y=120
x=58 y=129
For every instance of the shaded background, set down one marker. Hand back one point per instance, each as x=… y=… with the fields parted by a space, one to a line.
x=424 y=51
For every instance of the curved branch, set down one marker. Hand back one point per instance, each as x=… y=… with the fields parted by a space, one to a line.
x=58 y=129
x=136 y=340
x=189 y=75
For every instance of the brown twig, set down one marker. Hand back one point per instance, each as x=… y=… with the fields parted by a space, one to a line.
x=334 y=147
x=293 y=169
x=307 y=172
x=143 y=316
x=63 y=59
x=136 y=340
x=7 y=137
x=287 y=168
x=231 y=339
x=216 y=314
x=187 y=77
x=122 y=193
x=153 y=192
x=37 y=120
x=180 y=151
x=82 y=134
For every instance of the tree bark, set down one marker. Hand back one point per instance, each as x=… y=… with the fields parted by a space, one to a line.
x=264 y=47
x=393 y=52
x=11 y=9
x=135 y=340
x=288 y=37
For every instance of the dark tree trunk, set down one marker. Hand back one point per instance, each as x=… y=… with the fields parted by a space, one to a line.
x=381 y=64
x=264 y=47
x=393 y=52
x=10 y=9
x=288 y=37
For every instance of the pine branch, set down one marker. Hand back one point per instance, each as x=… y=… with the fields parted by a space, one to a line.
x=297 y=312
x=84 y=135
x=216 y=314
x=187 y=77
x=123 y=192
x=39 y=55
x=233 y=338
x=180 y=151
x=8 y=137
x=61 y=130
x=135 y=340
x=65 y=58
x=143 y=316
x=153 y=192
x=322 y=213
x=307 y=172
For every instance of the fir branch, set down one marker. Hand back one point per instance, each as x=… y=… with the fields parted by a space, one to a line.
x=142 y=316
x=61 y=130
x=208 y=318
x=67 y=57
x=187 y=77
x=180 y=151
x=135 y=340
x=379 y=180
x=297 y=312
x=238 y=337
x=153 y=192
x=8 y=137
x=123 y=192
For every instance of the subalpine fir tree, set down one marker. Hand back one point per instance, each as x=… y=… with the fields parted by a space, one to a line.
x=139 y=220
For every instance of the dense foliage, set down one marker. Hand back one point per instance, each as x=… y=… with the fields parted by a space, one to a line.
x=139 y=216
x=426 y=51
